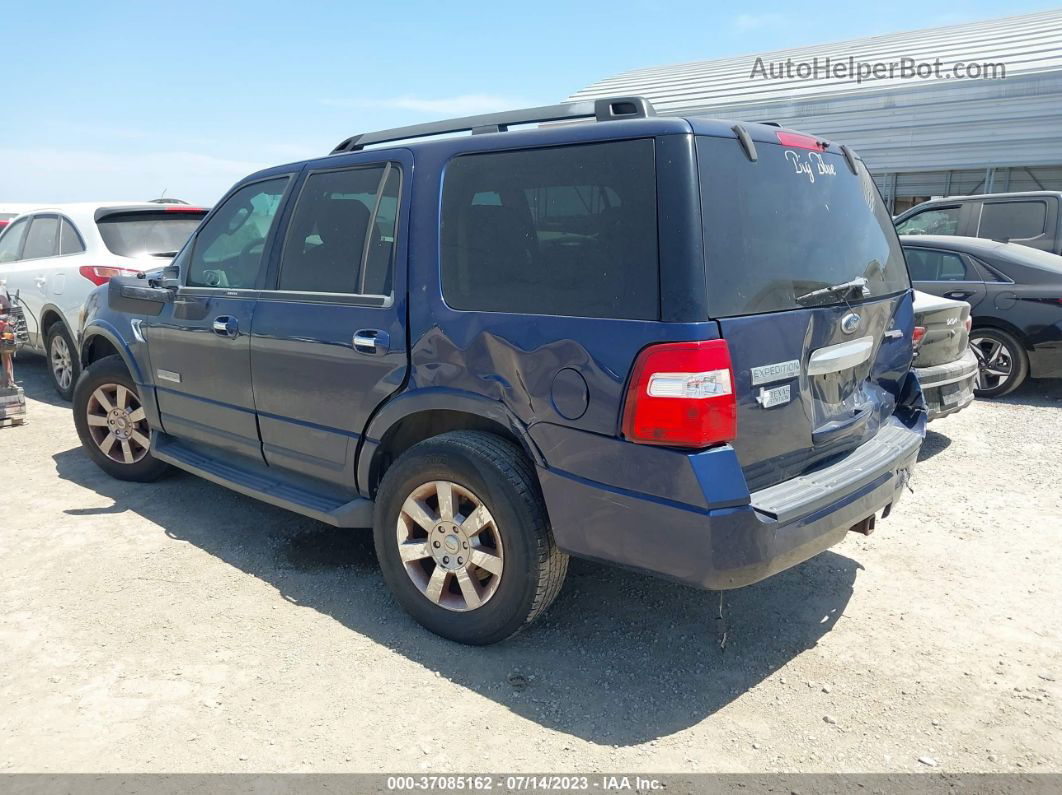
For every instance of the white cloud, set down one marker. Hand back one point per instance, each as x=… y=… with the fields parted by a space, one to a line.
x=757 y=21
x=460 y=105
x=63 y=175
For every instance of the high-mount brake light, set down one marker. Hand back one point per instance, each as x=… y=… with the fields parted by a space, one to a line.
x=101 y=274
x=681 y=394
x=180 y=208
x=801 y=141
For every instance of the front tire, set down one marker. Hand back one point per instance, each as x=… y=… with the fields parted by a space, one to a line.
x=1002 y=364
x=463 y=538
x=111 y=423
x=64 y=365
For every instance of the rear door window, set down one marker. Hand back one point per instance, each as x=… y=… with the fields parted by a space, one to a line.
x=230 y=248
x=1012 y=220
x=11 y=240
x=932 y=265
x=342 y=234
x=937 y=221
x=42 y=240
x=562 y=231
x=793 y=222
x=141 y=234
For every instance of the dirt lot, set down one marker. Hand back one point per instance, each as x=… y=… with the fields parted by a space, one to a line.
x=181 y=627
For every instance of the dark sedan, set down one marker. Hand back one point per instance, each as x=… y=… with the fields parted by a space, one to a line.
x=1016 y=295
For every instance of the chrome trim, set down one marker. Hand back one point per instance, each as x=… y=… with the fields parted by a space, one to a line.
x=840 y=357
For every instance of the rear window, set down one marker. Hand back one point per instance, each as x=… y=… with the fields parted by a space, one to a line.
x=1012 y=220
x=791 y=222
x=562 y=231
x=136 y=234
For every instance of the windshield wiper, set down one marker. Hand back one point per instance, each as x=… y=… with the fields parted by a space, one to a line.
x=857 y=288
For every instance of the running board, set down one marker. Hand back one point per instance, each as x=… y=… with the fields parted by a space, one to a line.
x=263 y=483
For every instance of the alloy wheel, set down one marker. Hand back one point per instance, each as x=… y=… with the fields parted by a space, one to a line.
x=994 y=363
x=117 y=423
x=62 y=363
x=450 y=546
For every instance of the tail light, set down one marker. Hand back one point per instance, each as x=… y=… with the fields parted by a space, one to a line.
x=916 y=337
x=968 y=324
x=101 y=274
x=801 y=141
x=682 y=395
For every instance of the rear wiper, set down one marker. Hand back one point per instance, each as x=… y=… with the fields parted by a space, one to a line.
x=857 y=288
x=161 y=254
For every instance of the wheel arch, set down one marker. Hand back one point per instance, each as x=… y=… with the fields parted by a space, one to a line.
x=100 y=341
x=1000 y=324
x=50 y=315
x=416 y=416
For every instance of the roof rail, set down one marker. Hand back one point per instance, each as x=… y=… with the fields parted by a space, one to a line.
x=607 y=109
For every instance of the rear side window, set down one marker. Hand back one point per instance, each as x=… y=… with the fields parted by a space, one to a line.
x=938 y=221
x=791 y=223
x=342 y=235
x=931 y=265
x=564 y=231
x=142 y=234
x=1012 y=220
x=69 y=239
x=229 y=249
x=11 y=240
x=42 y=240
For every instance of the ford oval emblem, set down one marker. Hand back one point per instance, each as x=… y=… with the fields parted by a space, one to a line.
x=850 y=323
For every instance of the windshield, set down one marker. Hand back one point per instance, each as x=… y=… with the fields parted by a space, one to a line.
x=790 y=223
x=145 y=233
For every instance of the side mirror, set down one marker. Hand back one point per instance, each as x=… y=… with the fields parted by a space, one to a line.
x=171 y=277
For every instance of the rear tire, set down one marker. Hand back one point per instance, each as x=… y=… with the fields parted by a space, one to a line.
x=1001 y=361
x=110 y=421
x=64 y=365
x=463 y=538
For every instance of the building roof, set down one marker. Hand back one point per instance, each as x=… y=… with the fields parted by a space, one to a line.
x=1026 y=44
x=896 y=124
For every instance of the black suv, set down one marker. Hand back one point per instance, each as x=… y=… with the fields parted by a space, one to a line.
x=679 y=345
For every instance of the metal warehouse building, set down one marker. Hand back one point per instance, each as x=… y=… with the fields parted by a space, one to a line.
x=932 y=135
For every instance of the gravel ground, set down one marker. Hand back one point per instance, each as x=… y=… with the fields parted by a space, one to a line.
x=180 y=627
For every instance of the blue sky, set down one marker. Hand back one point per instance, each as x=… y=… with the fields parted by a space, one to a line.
x=122 y=100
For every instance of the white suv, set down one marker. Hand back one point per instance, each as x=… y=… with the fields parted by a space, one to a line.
x=54 y=256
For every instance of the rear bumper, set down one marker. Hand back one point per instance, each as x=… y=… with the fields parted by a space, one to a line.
x=729 y=547
x=948 y=387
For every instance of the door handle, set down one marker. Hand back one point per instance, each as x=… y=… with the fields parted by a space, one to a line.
x=41 y=281
x=958 y=295
x=226 y=326
x=371 y=341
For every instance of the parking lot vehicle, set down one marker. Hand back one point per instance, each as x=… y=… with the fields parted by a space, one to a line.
x=945 y=363
x=579 y=339
x=8 y=212
x=1032 y=218
x=54 y=257
x=1015 y=294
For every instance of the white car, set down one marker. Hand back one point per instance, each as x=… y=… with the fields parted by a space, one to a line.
x=53 y=257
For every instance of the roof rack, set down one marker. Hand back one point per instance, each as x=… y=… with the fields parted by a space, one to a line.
x=606 y=109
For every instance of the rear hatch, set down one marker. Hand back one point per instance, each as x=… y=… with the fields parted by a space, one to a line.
x=147 y=237
x=817 y=368
x=946 y=334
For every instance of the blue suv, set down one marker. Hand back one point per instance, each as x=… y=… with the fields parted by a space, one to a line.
x=679 y=345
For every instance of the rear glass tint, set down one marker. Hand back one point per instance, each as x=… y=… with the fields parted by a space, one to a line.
x=136 y=234
x=791 y=222
x=1012 y=220
x=562 y=231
